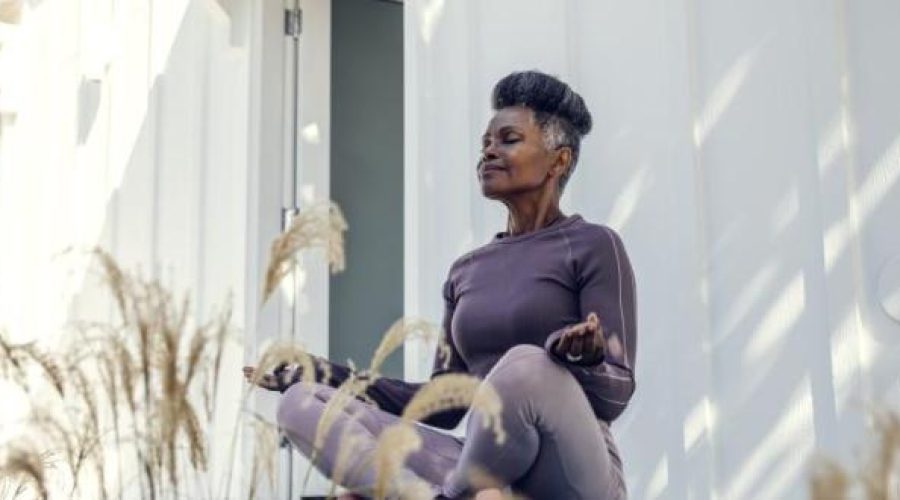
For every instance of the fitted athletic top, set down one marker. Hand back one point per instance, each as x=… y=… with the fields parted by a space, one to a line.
x=525 y=289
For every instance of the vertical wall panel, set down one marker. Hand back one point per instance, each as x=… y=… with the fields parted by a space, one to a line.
x=130 y=133
x=747 y=154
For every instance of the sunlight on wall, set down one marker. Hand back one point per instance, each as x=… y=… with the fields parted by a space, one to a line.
x=784 y=449
x=834 y=142
x=846 y=363
x=777 y=321
x=431 y=15
x=881 y=179
x=748 y=296
x=786 y=211
x=310 y=133
x=61 y=198
x=659 y=479
x=699 y=424
x=723 y=95
x=627 y=201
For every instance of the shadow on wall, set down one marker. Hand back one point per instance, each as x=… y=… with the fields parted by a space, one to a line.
x=785 y=373
x=765 y=337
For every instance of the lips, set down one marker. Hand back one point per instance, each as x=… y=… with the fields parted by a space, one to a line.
x=485 y=168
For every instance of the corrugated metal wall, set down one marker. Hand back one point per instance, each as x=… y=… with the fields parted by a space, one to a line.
x=749 y=154
x=161 y=131
x=125 y=125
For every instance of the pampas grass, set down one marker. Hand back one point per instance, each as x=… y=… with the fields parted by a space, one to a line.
x=442 y=393
x=131 y=386
x=402 y=330
x=320 y=225
x=128 y=386
x=264 y=450
x=879 y=478
x=23 y=467
x=446 y=392
x=394 y=445
x=455 y=390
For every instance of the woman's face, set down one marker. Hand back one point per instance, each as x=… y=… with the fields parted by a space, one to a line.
x=514 y=158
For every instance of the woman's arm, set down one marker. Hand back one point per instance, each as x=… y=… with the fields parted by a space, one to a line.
x=390 y=394
x=606 y=284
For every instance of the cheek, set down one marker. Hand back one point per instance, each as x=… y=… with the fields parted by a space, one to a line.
x=527 y=162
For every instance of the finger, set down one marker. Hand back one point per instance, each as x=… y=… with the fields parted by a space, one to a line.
x=583 y=330
x=594 y=350
x=562 y=347
x=284 y=377
x=576 y=348
x=268 y=382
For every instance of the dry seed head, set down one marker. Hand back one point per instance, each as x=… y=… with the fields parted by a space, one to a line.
x=394 y=445
x=828 y=481
x=23 y=460
x=402 y=330
x=455 y=390
x=264 y=452
x=117 y=280
x=881 y=479
x=48 y=365
x=195 y=357
x=195 y=436
x=444 y=352
x=320 y=225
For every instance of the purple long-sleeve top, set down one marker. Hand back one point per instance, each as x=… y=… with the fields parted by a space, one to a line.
x=525 y=289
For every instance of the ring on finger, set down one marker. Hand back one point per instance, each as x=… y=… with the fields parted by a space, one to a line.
x=573 y=359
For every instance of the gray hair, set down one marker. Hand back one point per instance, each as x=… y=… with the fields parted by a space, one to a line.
x=558 y=110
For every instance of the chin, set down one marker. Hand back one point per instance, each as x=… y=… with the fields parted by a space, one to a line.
x=491 y=194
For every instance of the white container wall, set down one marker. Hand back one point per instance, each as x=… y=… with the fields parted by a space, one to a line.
x=160 y=131
x=749 y=155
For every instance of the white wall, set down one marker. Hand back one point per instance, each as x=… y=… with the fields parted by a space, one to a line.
x=157 y=130
x=749 y=154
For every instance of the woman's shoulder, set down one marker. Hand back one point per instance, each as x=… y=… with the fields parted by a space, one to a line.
x=467 y=258
x=593 y=234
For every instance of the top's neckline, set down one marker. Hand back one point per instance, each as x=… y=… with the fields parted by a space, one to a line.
x=504 y=237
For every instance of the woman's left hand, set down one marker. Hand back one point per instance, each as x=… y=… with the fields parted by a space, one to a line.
x=582 y=343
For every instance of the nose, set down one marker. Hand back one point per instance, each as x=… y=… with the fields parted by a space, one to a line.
x=488 y=153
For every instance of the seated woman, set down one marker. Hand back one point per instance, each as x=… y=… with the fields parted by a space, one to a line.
x=545 y=312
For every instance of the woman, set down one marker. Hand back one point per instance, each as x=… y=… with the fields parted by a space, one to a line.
x=545 y=313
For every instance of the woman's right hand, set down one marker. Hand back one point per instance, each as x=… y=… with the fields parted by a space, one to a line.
x=279 y=380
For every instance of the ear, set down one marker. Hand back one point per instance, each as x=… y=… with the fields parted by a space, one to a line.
x=561 y=161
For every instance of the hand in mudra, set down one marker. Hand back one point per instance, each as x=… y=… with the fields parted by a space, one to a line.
x=278 y=380
x=582 y=343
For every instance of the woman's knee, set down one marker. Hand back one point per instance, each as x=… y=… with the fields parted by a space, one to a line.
x=294 y=400
x=524 y=368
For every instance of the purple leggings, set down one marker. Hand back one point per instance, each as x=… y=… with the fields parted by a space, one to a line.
x=555 y=447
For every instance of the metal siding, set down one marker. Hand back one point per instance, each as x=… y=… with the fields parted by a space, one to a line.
x=748 y=155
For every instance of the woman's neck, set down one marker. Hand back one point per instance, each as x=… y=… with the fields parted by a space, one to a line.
x=526 y=219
